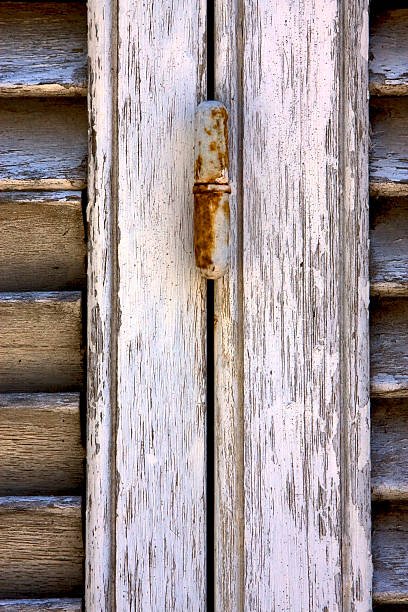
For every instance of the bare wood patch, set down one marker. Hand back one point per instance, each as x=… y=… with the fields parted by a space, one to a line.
x=41 y=342
x=43 y=144
x=388 y=53
x=41 y=449
x=43 y=49
x=41 y=605
x=41 y=547
x=43 y=241
x=389 y=347
x=389 y=545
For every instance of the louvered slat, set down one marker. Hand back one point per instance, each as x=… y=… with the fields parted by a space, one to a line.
x=390 y=546
x=43 y=49
x=389 y=53
x=41 y=450
x=43 y=241
x=43 y=144
x=389 y=347
x=389 y=281
x=389 y=247
x=389 y=449
x=41 y=549
x=41 y=605
x=389 y=159
x=40 y=342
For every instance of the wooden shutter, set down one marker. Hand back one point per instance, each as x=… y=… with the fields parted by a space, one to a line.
x=292 y=498
x=389 y=303
x=43 y=168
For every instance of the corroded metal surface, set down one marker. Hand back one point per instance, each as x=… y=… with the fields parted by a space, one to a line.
x=211 y=190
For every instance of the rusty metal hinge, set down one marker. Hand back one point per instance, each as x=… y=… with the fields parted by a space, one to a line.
x=211 y=190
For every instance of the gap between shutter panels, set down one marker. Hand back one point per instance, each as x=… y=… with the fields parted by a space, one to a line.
x=43 y=166
x=389 y=302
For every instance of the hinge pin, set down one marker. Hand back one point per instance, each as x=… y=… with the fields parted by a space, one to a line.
x=211 y=190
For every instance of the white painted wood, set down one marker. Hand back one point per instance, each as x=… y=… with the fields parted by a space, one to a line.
x=100 y=528
x=146 y=508
x=43 y=49
x=228 y=347
x=302 y=105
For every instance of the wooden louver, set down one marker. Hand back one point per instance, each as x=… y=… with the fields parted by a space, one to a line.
x=389 y=301
x=43 y=167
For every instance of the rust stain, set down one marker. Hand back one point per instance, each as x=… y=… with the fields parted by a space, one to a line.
x=213 y=146
x=206 y=205
x=220 y=117
x=226 y=208
x=198 y=166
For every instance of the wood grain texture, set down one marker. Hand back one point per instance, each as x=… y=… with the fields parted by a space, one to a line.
x=389 y=347
x=161 y=387
x=40 y=444
x=389 y=544
x=389 y=247
x=40 y=546
x=43 y=241
x=389 y=449
x=147 y=323
x=229 y=562
x=41 y=342
x=99 y=577
x=43 y=144
x=305 y=306
x=389 y=125
x=389 y=52
x=43 y=50
x=41 y=605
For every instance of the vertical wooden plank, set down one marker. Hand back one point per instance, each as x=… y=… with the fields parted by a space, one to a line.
x=160 y=443
x=292 y=317
x=100 y=526
x=228 y=326
x=354 y=364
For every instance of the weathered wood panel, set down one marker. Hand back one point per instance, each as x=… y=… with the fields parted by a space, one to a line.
x=41 y=548
x=154 y=340
x=389 y=158
x=389 y=52
x=229 y=560
x=43 y=144
x=41 y=605
x=390 y=545
x=389 y=347
x=161 y=390
x=41 y=342
x=43 y=241
x=389 y=247
x=99 y=578
x=306 y=419
x=40 y=444
x=43 y=49
x=389 y=449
